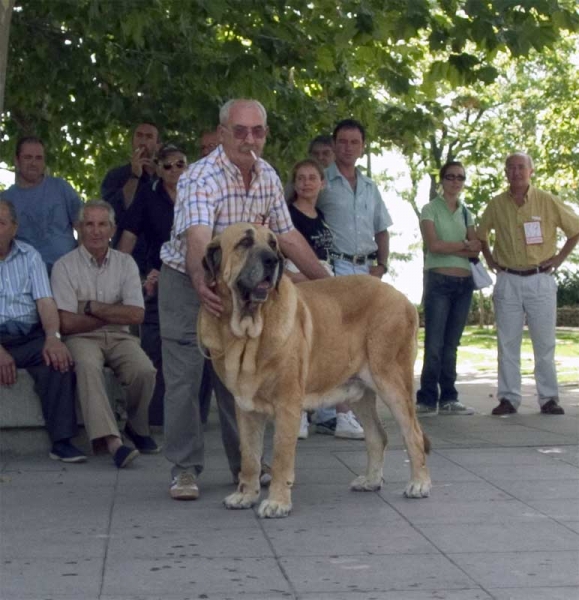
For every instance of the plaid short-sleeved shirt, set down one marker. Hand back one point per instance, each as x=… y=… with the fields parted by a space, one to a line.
x=211 y=192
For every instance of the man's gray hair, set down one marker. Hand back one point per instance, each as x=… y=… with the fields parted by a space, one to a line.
x=524 y=155
x=11 y=210
x=226 y=108
x=97 y=204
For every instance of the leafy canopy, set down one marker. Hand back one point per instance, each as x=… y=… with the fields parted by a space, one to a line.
x=82 y=73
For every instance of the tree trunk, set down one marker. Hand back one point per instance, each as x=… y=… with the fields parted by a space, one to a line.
x=6 y=7
x=481 y=310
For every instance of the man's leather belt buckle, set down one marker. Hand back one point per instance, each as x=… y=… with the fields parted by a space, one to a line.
x=356 y=259
x=524 y=273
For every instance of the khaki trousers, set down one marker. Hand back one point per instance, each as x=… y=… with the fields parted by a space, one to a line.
x=121 y=352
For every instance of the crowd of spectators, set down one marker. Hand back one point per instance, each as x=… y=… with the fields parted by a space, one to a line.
x=125 y=291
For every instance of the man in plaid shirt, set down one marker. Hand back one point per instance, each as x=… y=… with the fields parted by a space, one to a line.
x=230 y=185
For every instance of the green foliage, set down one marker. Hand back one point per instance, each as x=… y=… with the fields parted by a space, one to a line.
x=83 y=73
x=568 y=288
x=530 y=107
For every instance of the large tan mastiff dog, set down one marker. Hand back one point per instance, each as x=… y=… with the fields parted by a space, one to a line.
x=280 y=348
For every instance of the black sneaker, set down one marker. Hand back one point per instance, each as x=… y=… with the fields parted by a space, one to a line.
x=327 y=427
x=66 y=452
x=124 y=455
x=145 y=444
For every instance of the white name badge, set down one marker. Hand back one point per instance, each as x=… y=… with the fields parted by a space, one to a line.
x=533 y=233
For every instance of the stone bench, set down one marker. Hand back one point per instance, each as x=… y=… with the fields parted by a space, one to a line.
x=22 y=424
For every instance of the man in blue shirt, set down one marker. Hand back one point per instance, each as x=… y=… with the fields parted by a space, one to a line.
x=357 y=216
x=47 y=207
x=30 y=336
x=353 y=207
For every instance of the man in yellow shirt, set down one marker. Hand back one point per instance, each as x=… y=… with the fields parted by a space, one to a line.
x=524 y=256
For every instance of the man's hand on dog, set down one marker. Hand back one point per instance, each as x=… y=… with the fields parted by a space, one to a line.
x=208 y=298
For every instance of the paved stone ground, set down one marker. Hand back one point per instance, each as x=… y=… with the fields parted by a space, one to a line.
x=502 y=522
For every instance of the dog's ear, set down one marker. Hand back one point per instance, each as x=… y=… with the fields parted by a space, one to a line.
x=212 y=260
x=280 y=267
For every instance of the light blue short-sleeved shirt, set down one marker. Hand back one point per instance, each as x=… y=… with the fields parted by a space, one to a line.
x=46 y=213
x=354 y=217
x=449 y=227
x=23 y=281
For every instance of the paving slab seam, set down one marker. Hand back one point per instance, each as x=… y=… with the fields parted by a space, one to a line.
x=108 y=534
x=476 y=585
x=498 y=487
x=277 y=558
x=533 y=508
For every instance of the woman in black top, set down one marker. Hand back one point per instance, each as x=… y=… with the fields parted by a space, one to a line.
x=151 y=215
x=308 y=181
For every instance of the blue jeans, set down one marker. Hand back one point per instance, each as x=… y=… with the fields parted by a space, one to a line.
x=446 y=306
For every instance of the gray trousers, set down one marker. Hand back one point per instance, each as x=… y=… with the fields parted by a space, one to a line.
x=183 y=370
x=533 y=297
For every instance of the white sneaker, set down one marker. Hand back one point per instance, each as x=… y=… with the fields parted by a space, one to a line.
x=303 y=434
x=347 y=427
x=423 y=410
x=184 y=487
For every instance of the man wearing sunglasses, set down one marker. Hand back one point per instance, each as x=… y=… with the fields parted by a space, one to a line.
x=232 y=184
x=150 y=217
x=121 y=184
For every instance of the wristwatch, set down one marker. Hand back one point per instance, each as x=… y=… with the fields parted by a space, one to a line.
x=385 y=265
x=56 y=334
x=87 y=310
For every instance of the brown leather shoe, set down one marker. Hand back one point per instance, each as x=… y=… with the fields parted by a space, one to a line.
x=552 y=408
x=504 y=408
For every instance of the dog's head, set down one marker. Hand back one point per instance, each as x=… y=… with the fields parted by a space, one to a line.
x=247 y=260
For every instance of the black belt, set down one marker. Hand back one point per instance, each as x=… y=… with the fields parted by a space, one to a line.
x=356 y=259
x=525 y=273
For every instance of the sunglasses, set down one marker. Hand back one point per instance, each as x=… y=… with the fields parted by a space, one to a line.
x=455 y=177
x=180 y=164
x=240 y=132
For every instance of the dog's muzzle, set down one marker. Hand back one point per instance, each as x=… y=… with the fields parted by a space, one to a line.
x=259 y=275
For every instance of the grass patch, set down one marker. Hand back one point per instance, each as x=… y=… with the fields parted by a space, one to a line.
x=479 y=348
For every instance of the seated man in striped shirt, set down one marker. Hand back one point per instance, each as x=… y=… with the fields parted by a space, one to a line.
x=30 y=336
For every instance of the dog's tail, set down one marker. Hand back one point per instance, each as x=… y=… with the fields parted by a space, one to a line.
x=426 y=442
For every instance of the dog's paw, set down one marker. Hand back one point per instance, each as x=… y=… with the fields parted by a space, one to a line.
x=237 y=500
x=363 y=484
x=418 y=489
x=270 y=509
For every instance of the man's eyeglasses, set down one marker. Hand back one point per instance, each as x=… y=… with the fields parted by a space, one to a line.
x=180 y=164
x=240 y=132
x=451 y=177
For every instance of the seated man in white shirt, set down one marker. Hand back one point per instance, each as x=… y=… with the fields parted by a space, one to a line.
x=98 y=294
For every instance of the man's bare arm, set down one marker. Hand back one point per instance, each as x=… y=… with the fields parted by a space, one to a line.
x=556 y=261
x=127 y=242
x=198 y=237
x=382 y=239
x=100 y=314
x=54 y=352
x=294 y=246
